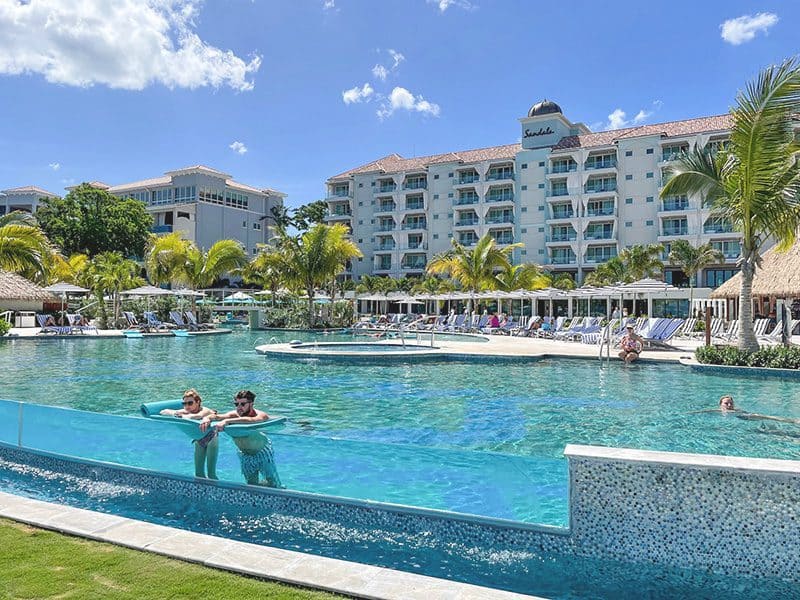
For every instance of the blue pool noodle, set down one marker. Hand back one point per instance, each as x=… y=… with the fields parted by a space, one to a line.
x=153 y=408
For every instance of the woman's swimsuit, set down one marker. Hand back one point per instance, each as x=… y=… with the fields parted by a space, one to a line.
x=630 y=345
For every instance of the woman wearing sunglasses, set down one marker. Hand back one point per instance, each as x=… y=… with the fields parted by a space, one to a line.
x=206 y=450
x=255 y=450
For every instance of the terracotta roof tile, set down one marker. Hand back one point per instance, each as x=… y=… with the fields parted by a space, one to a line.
x=28 y=189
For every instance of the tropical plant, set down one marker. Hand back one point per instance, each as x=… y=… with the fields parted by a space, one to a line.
x=24 y=248
x=608 y=273
x=112 y=273
x=165 y=258
x=265 y=270
x=692 y=259
x=527 y=276
x=72 y=270
x=375 y=284
x=474 y=269
x=202 y=269
x=433 y=285
x=308 y=215
x=754 y=183
x=89 y=220
x=642 y=261
x=314 y=258
x=562 y=281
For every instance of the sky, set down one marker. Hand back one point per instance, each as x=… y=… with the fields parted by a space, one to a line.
x=285 y=94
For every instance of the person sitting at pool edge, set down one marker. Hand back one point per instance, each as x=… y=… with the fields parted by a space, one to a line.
x=205 y=452
x=255 y=450
x=631 y=345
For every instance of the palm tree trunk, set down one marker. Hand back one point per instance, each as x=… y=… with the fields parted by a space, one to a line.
x=311 y=319
x=747 y=337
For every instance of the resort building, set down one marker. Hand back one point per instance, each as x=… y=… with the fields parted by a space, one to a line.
x=573 y=197
x=206 y=205
x=25 y=199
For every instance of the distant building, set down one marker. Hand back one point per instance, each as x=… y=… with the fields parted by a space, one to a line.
x=573 y=197
x=25 y=199
x=204 y=204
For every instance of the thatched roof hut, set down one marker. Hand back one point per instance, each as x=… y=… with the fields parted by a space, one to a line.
x=14 y=287
x=777 y=277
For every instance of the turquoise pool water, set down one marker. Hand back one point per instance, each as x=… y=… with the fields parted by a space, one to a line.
x=521 y=410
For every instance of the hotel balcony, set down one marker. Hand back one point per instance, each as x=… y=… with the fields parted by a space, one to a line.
x=385 y=189
x=384 y=247
x=414 y=226
x=467 y=222
x=161 y=229
x=502 y=176
x=418 y=207
x=600 y=212
x=600 y=188
x=382 y=268
x=716 y=228
x=466 y=200
x=506 y=197
x=339 y=195
x=500 y=220
x=385 y=227
x=502 y=237
x=415 y=185
x=561 y=238
x=385 y=207
x=466 y=180
x=561 y=169
x=339 y=214
x=600 y=165
x=562 y=260
x=675 y=204
x=560 y=193
x=599 y=257
x=673 y=231
x=468 y=241
x=413 y=262
x=559 y=213
x=414 y=246
x=592 y=237
x=668 y=156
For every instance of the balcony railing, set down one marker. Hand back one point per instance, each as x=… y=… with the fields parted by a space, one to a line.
x=499 y=176
x=598 y=235
x=668 y=205
x=415 y=246
x=385 y=189
x=340 y=213
x=501 y=219
x=386 y=207
x=671 y=155
x=384 y=267
x=466 y=179
x=602 y=164
x=500 y=197
x=562 y=168
x=562 y=237
x=606 y=211
x=467 y=222
x=340 y=194
x=415 y=206
x=504 y=239
x=415 y=185
x=597 y=188
x=563 y=260
x=717 y=229
x=464 y=200
x=386 y=247
x=415 y=225
x=675 y=231
x=559 y=191
x=415 y=266
x=471 y=241
x=385 y=227
x=563 y=214
x=599 y=258
x=161 y=229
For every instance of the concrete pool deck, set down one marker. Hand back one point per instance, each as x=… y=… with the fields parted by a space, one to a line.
x=306 y=570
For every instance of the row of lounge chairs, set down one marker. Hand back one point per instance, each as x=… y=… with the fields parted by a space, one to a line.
x=49 y=326
x=152 y=323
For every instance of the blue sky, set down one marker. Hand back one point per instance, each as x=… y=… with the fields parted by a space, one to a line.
x=286 y=94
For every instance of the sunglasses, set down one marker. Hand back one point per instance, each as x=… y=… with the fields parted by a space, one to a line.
x=187 y=402
x=244 y=403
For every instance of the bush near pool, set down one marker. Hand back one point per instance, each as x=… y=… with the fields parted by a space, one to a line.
x=773 y=357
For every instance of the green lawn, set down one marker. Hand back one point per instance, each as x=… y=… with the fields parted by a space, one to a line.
x=35 y=563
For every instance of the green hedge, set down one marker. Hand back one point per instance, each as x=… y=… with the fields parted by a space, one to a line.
x=4 y=327
x=774 y=357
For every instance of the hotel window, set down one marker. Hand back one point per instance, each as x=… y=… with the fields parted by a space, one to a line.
x=628 y=223
x=628 y=177
x=649 y=151
x=628 y=152
x=524 y=209
x=235 y=199
x=257 y=226
x=184 y=193
x=244 y=224
x=209 y=194
x=541 y=229
x=649 y=198
x=184 y=215
x=628 y=200
x=436 y=176
x=436 y=196
x=161 y=196
x=649 y=175
x=541 y=164
x=649 y=223
x=524 y=166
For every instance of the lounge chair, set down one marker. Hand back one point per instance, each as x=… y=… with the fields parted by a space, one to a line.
x=133 y=323
x=194 y=323
x=775 y=336
x=178 y=319
x=153 y=322
x=556 y=326
x=661 y=335
x=74 y=321
x=55 y=329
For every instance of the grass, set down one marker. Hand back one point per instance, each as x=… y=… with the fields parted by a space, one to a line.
x=40 y=564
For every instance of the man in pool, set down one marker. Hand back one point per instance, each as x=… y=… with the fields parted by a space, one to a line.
x=205 y=450
x=255 y=450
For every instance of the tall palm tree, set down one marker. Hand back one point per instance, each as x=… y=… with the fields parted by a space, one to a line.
x=71 y=270
x=642 y=261
x=112 y=273
x=562 y=281
x=203 y=268
x=313 y=259
x=474 y=269
x=692 y=260
x=165 y=258
x=608 y=273
x=755 y=181
x=527 y=276
x=266 y=270
x=24 y=248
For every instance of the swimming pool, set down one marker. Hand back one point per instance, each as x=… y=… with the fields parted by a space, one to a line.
x=520 y=409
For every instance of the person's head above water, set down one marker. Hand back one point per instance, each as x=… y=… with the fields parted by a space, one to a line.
x=191 y=400
x=243 y=400
x=726 y=403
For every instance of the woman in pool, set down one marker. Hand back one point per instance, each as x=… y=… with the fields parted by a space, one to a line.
x=630 y=345
x=255 y=450
x=205 y=450
x=726 y=406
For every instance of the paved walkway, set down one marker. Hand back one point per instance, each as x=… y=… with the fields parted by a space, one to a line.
x=306 y=570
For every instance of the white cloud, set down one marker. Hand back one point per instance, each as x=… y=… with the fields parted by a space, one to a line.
x=328 y=5
x=445 y=4
x=402 y=99
x=380 y=72
x=238 y=147
x=357 y=94
x=128 y=45
x=54 y=165
x=618 y=118
x=397 y=58
x=743 y=29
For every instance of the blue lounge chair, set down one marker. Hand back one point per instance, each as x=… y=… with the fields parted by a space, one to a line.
x=177 y=319
x=194 y=324
x=74 y=321
x=152 y=321
x=55 y=329
x=660 y=337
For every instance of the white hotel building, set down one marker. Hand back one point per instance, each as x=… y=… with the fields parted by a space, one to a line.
x=204 y=204
x=573 y=197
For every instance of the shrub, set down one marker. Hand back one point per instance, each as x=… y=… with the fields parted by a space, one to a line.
x=773 y=357
x=4 y=327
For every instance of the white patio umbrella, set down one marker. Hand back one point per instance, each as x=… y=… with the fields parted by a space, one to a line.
x=63 y=289
x=148 y=290
x=238 y=297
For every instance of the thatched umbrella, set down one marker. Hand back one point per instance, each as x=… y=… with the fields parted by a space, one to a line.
x=16 y=287
x=778 y=276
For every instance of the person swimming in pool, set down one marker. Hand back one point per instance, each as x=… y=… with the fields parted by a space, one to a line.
x=205 y=450
x=255 y=451
x=726 y=405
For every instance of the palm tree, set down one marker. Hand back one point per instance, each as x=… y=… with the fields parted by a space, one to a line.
x=202 y=269
x=313 y=259
x=165 y=258
x=473 y=269
x=562 y=281
x=691 y=260
x=71 y=270
x=608 y=273
x=265 y=270
x=110 y=272
x=24 y=248
x=755 y=182
x=642 y=261
x=527 y=276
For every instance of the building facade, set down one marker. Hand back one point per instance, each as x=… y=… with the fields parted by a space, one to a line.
x=204 y=204
x=573 y=197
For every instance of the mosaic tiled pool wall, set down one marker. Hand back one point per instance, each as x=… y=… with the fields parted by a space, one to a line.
x=728 y=515
x=731 y=515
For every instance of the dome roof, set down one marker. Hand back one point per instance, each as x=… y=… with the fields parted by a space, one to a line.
x=545 y=107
